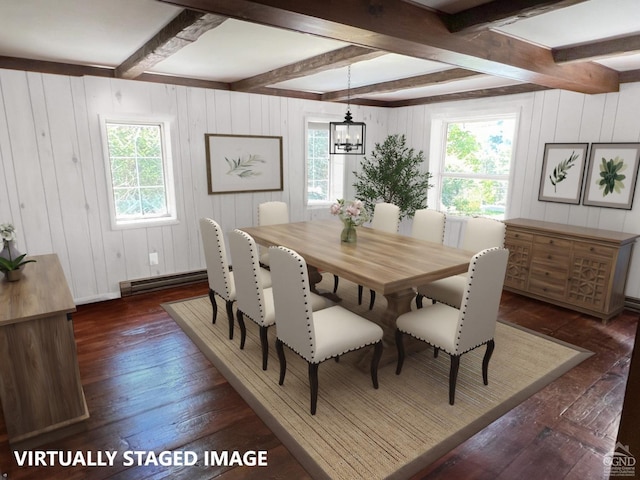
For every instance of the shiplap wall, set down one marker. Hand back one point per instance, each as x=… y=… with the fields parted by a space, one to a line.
x=552 y=116
x=53 y=186
x=53 y=183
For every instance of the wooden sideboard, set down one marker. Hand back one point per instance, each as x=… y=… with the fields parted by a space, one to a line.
x=40 y=386
x=583 y=269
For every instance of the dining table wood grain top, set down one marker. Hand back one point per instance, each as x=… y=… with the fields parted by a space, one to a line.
x=389 y=263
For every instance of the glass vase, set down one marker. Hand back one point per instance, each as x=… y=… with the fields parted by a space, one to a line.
x=349 y=234
x=9 y=252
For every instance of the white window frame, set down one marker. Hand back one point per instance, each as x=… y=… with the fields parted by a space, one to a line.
x=171 y=217
x=439 y=127
x=333 y=160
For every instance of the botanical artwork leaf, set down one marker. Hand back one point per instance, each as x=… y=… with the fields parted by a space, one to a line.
x=244 y=167
x=610 y=177
x=562 y=169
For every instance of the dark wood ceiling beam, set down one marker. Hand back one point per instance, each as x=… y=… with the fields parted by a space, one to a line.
x=183 y=30
x=184 y=81
x=402 y=84
x=58 y=68
x=596 y=50
x=13 y=63
x=630 y=76
x=452 y=97
x=325 y=61
x=501 y=12
x=407 y=29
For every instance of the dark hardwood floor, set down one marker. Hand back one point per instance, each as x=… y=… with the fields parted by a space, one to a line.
x=149 y=388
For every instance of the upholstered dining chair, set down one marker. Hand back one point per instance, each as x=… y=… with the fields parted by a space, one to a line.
x=221 y=281
x=458 y=331
x=429 y=225
x=253 y=300
x=271 y=213
x=480 y=233
x=386 y=217
x=315 y=336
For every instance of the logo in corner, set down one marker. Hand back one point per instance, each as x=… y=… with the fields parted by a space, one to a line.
x=621 y=462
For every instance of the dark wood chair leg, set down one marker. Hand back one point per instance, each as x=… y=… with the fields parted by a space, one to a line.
x=372 y=299
x=419 y=301
x=400 y=347
x=485 y=361
x=243 y=328
x=214 y=305
x=360 y=288
x=313 y=386
x=375 y=361
x=337 y=358
x=436 y=350
x=265 y=346
x=336 y=279
x=230 y=316
x=453 y=377
x=283 y=360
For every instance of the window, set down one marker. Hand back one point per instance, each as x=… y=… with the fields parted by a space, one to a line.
x=325 y=174
x=139 y=172
x=475 y=167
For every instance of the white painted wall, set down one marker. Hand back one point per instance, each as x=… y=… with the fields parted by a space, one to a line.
x=552 y=116
x=53 y=184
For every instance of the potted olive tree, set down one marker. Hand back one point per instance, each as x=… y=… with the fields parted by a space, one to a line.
x=393 y=175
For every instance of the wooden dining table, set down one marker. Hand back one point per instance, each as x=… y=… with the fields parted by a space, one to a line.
x=391 y=264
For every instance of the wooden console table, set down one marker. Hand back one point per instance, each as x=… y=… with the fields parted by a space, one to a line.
x=40 y=386
x=583 y=269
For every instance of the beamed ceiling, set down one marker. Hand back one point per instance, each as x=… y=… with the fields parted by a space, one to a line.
x=400 y=52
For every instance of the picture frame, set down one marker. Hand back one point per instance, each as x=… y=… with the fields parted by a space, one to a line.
x=612 y=175
x=563 y=168
x=243 y=163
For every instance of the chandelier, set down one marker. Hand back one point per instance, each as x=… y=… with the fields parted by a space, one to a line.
x=347 y=137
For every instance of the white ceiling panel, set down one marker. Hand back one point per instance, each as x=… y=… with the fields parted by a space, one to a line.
x=384 y=69
x=86 y=32
x=580 y=23
x=237 y=50
x=445 y=88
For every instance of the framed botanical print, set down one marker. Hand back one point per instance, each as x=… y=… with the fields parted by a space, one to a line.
x=243 y=163
x=563 y=166
x=612 y=175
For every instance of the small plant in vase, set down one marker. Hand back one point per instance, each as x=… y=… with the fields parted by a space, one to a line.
x=10 y=259
x=352 y=214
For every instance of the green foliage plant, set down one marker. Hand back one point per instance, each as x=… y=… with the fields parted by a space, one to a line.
x=562 y=170
x=610 y=176
x=393 y=175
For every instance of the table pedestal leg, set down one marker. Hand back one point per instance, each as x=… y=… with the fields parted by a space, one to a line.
x=397 y=304
x=315 y=277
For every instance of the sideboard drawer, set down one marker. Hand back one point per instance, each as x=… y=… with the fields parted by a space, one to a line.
x=581 y=268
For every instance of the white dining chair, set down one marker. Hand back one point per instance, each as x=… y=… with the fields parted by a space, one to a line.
x=386 y=217
x=458 y=331
x=314 y=336
x=221 y=281
x=271 y=213
x=429 y=225
x=253 y=300
x=480 y=233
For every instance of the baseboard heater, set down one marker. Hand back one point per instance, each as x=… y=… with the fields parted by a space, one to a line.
x=632 y=304
x=144 y=285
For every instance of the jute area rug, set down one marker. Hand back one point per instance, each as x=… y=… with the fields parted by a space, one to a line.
x=392 y=432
